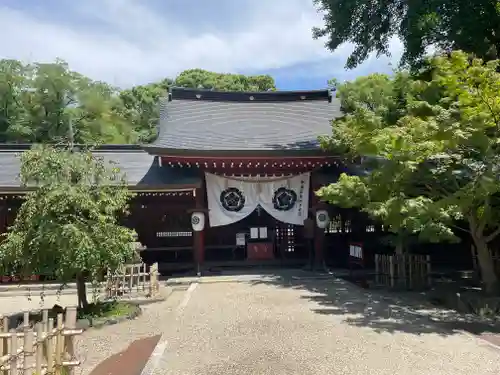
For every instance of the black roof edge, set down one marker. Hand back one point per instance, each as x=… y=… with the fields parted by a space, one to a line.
x=181 y=93
x=114 y=147
x=161 y=151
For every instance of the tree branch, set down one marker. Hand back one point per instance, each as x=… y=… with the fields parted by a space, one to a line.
x=492 y=235
x=460 y=228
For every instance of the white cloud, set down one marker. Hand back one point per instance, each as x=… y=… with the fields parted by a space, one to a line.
x=127 y=42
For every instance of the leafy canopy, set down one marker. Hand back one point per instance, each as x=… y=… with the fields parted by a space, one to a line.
x=199 y=78
x=39 y=101
x=69 y=224
x=466 y=25
x=430 y=148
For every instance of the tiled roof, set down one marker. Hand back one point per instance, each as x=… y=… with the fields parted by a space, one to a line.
x=140 y=168
x=210 y=120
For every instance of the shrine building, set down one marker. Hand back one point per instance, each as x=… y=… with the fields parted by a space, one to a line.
x=229 y=181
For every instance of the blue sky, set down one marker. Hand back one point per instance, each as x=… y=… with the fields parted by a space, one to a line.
x=128 y=42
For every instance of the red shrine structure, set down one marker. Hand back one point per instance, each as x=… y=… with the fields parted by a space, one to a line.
x=229 y=180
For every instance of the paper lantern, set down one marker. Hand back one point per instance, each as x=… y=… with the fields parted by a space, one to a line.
x=198 y=221
x=322 y=219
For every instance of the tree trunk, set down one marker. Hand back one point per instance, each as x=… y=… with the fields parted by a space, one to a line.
x=399 y=248
x=81 y=289
x=400 y=243
x=488 y=274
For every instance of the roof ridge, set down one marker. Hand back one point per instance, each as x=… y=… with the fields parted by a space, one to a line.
x=184 y=93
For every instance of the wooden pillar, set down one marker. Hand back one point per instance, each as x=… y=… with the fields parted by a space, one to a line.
x=319 y=234
x=199 y=236
x=319 y=245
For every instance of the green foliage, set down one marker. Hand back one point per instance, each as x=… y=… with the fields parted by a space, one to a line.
x=108 y=309
x=38 y=102
x=471 y=26
x=141 y=108
x=431 y=148
x=69 y=224
x=199 y=78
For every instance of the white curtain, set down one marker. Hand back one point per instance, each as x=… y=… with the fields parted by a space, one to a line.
x=286 y=200
x=231 y=200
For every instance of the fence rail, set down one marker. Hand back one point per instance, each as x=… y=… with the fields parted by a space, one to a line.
x=133 y=279
x=45 y=348
x=408 y=271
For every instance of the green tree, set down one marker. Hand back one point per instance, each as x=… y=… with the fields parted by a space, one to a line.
x=12 y=88
x=199 y=78
x=38 y=101
x=69 y=225
x=100 y=117
x=141 y=107
x=432 y=153
x=471 y=26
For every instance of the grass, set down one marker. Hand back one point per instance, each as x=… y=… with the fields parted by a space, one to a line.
x=107 y=309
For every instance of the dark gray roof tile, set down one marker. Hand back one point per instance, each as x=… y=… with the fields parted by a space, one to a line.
x=140 y=168
x=232 y=121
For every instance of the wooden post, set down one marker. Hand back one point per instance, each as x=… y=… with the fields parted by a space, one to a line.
x=28 y=348
x=59 y=345
x=131 y=278
x=199 y=236
x=391 y=270
x=45 y=319
x=69 y=343
x=39 y=348
x=13 y=352
x=4 y=346
x=429 y=273
x=411 y=272
x=49 y=346
x=123 y=282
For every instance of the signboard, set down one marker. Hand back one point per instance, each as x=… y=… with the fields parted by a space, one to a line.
x=356 y=251
x=356 y=255
x=240 y=239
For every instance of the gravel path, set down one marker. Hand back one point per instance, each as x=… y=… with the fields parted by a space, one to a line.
x=95 y=345
x=302 y=327
x=10 y=304
x=327 y=327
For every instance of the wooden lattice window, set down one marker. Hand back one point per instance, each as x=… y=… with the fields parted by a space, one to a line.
x=286 y=237
x=347 y=226
x=335 y=225
x=174 y=234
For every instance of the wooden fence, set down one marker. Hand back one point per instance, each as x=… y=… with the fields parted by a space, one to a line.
x=406 y=271
x=132 y=280
x=42 y=349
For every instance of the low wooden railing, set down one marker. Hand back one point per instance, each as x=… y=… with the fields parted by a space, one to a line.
x=407 y=271
x=133 y=279
x=42 y=349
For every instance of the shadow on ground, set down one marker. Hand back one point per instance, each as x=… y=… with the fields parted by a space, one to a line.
x=381 y=311
x=131 y=361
